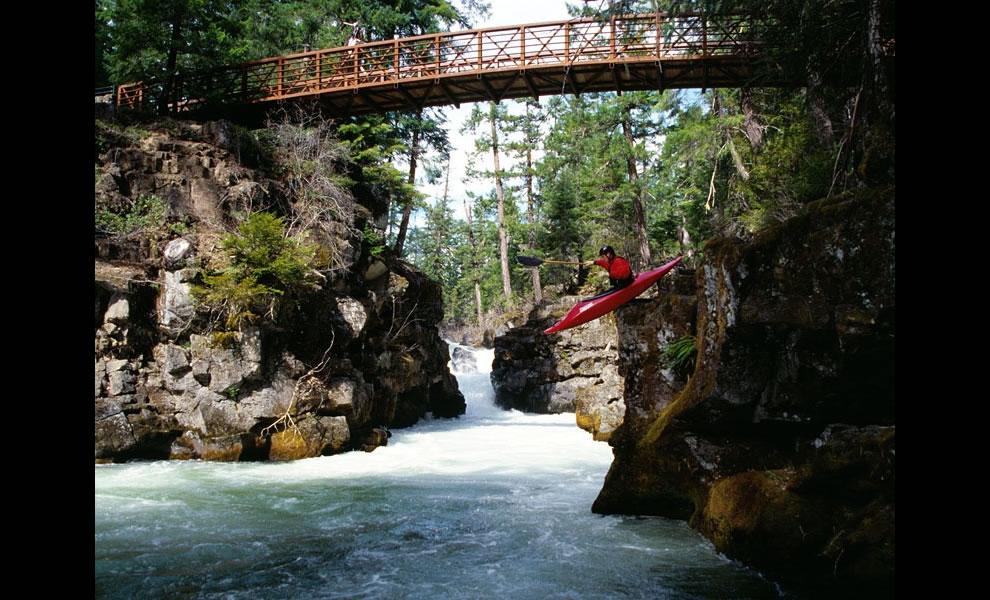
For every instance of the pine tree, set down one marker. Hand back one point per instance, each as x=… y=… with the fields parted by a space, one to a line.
x=527 y=126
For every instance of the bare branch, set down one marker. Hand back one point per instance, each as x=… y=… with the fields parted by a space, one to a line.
x=285 y=421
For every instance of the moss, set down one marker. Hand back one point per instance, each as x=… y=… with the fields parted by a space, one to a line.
x=681 y=402
x=225 y=339
x=721 y=255
x=735 y=505
x=222 y=450
x=754 y=515
x=585 y=421
x=291 y=444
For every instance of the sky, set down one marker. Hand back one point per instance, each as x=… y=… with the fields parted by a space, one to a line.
x=503 y=13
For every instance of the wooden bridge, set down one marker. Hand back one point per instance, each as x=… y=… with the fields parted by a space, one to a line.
x=638 y=52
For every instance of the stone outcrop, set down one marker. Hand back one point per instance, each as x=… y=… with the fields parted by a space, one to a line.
x=575 y=370
x=358 y=356
x=780 y=445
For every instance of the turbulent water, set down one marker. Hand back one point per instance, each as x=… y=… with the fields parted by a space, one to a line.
x=495 y=504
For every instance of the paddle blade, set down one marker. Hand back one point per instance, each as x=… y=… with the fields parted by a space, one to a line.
x=529 y=261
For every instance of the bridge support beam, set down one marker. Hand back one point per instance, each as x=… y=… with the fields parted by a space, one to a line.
x=529 y=85
x=417 y=104
x=569 y=77
x=493 y=95
x=616 y=80
x=446 y=92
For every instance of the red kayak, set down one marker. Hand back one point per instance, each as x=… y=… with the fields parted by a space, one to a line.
x=592 y=308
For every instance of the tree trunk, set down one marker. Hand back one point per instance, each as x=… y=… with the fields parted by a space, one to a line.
x=684 y=239
x=437 y=261
x=754 y=128
x=537 y=288
x=170 y=93
x=877 y=164
x=474 y=261
x=503 y=237
x=400 y=238
x=877 y=52
x=823 y=123
x=736 y=158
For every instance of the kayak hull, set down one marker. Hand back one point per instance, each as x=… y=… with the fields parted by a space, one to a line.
x=592 y=308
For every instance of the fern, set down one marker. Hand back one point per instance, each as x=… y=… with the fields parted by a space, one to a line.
x=681 y=353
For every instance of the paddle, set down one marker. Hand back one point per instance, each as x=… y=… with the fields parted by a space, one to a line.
x=529 y=261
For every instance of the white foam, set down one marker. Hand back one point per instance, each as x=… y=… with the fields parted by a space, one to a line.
x=486 y=440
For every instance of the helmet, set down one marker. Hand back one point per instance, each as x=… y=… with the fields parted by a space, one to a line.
x=606 y=250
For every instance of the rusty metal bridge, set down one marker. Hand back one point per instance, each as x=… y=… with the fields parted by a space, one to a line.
x=638 y=52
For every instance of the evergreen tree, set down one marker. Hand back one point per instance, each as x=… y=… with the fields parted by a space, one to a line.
x=473 y=261
x=423 y=132
x=527 y=143
x=155 y=40
x=432 y=246
x=585 y=178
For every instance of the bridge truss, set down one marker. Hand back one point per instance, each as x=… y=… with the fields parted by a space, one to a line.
x=638 y=52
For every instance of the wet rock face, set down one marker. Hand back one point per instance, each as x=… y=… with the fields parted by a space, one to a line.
x=646 y=327
x=780 y=446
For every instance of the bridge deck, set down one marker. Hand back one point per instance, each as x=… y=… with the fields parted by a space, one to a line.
x=653 y=51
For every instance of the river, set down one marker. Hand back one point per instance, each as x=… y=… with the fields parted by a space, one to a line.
x=494 y=504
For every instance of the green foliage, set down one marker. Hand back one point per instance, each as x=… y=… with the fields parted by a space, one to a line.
x=157 y=41
x=179 y=228
x=586 y=186
x=146 y=213
x=681 y=353
x=265 y=273
x=373 y=240
x=274 y=28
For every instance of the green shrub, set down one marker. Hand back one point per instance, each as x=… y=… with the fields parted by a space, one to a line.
x=374 y=241
x=264 y=274
x=147 y=212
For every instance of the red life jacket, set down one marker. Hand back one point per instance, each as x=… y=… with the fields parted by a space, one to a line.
x=618 y=269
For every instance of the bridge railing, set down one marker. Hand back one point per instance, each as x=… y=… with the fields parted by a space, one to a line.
x=541 y=45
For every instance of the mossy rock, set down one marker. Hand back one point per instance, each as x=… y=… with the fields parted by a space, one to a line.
x=223 y=449
x=753 y=516
x=291 y=444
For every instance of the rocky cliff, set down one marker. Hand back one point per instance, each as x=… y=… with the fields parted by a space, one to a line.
x=359 y=355
x=780 y=445
x=572 y=371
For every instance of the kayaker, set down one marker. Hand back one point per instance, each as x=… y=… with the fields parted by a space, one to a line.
x=619 y=273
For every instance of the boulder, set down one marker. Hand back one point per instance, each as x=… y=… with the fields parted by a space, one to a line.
x=575 y=370
x=463 y=361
